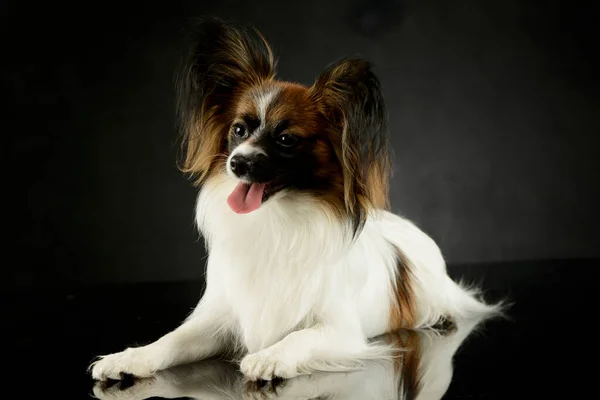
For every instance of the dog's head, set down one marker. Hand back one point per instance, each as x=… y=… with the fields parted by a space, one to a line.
x=277 y=138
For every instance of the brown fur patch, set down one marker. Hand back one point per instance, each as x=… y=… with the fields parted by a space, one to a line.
x=246 y=106
x=403 y=310
x=348 y=94
x=295 y=108
x=407 y=365
x=223 y=63
x=205 y=151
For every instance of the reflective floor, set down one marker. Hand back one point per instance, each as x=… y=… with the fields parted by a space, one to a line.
x=542 y=351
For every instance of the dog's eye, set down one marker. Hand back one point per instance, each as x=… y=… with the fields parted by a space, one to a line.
x=287 y=140
x=239 y=130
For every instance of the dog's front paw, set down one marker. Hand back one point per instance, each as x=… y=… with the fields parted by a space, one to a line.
x=262 y=390
x=125 y=390
x=266 y=365
x=133 y=361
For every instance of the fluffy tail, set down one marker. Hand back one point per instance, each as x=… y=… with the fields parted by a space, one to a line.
x=468 y=302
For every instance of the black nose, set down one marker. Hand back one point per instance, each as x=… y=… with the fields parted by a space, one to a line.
x=240 y=165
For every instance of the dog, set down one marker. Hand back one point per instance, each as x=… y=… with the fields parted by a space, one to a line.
x=305 y=260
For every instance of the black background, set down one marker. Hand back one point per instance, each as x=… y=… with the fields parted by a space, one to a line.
x=493 y=108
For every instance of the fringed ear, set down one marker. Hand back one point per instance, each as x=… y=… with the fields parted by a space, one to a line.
x=349 y=95
x=223 y=61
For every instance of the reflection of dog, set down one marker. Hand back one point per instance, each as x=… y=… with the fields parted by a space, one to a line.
x=305 y=263
x=422 y=370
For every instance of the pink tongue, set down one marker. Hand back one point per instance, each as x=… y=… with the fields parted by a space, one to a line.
x=246 y=198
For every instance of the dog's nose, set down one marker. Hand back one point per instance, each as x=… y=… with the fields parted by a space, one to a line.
x=240 y=165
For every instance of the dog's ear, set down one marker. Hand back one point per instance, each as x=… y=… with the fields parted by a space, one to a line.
x=224 y=60
x=348 y=93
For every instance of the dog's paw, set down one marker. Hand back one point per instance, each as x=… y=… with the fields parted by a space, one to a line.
x=267 y=365
x=262 y=390
x=138 y=389
x=133 y=361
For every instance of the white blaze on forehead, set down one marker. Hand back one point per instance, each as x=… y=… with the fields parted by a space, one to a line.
x=263 y=99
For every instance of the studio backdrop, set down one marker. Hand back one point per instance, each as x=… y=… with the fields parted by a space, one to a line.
x=493 y=112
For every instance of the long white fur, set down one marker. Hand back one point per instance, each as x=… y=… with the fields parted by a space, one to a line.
x=219 y=380
x=288 y=284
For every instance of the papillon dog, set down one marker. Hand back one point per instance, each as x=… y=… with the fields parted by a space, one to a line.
x=306 y=262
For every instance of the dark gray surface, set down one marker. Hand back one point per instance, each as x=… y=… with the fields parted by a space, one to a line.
x=493 y=109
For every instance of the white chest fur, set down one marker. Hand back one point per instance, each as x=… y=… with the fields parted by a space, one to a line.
x=276 y=267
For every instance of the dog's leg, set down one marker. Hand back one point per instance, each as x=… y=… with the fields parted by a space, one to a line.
x=202 y=335
x=208 y=379
x=322 y=347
